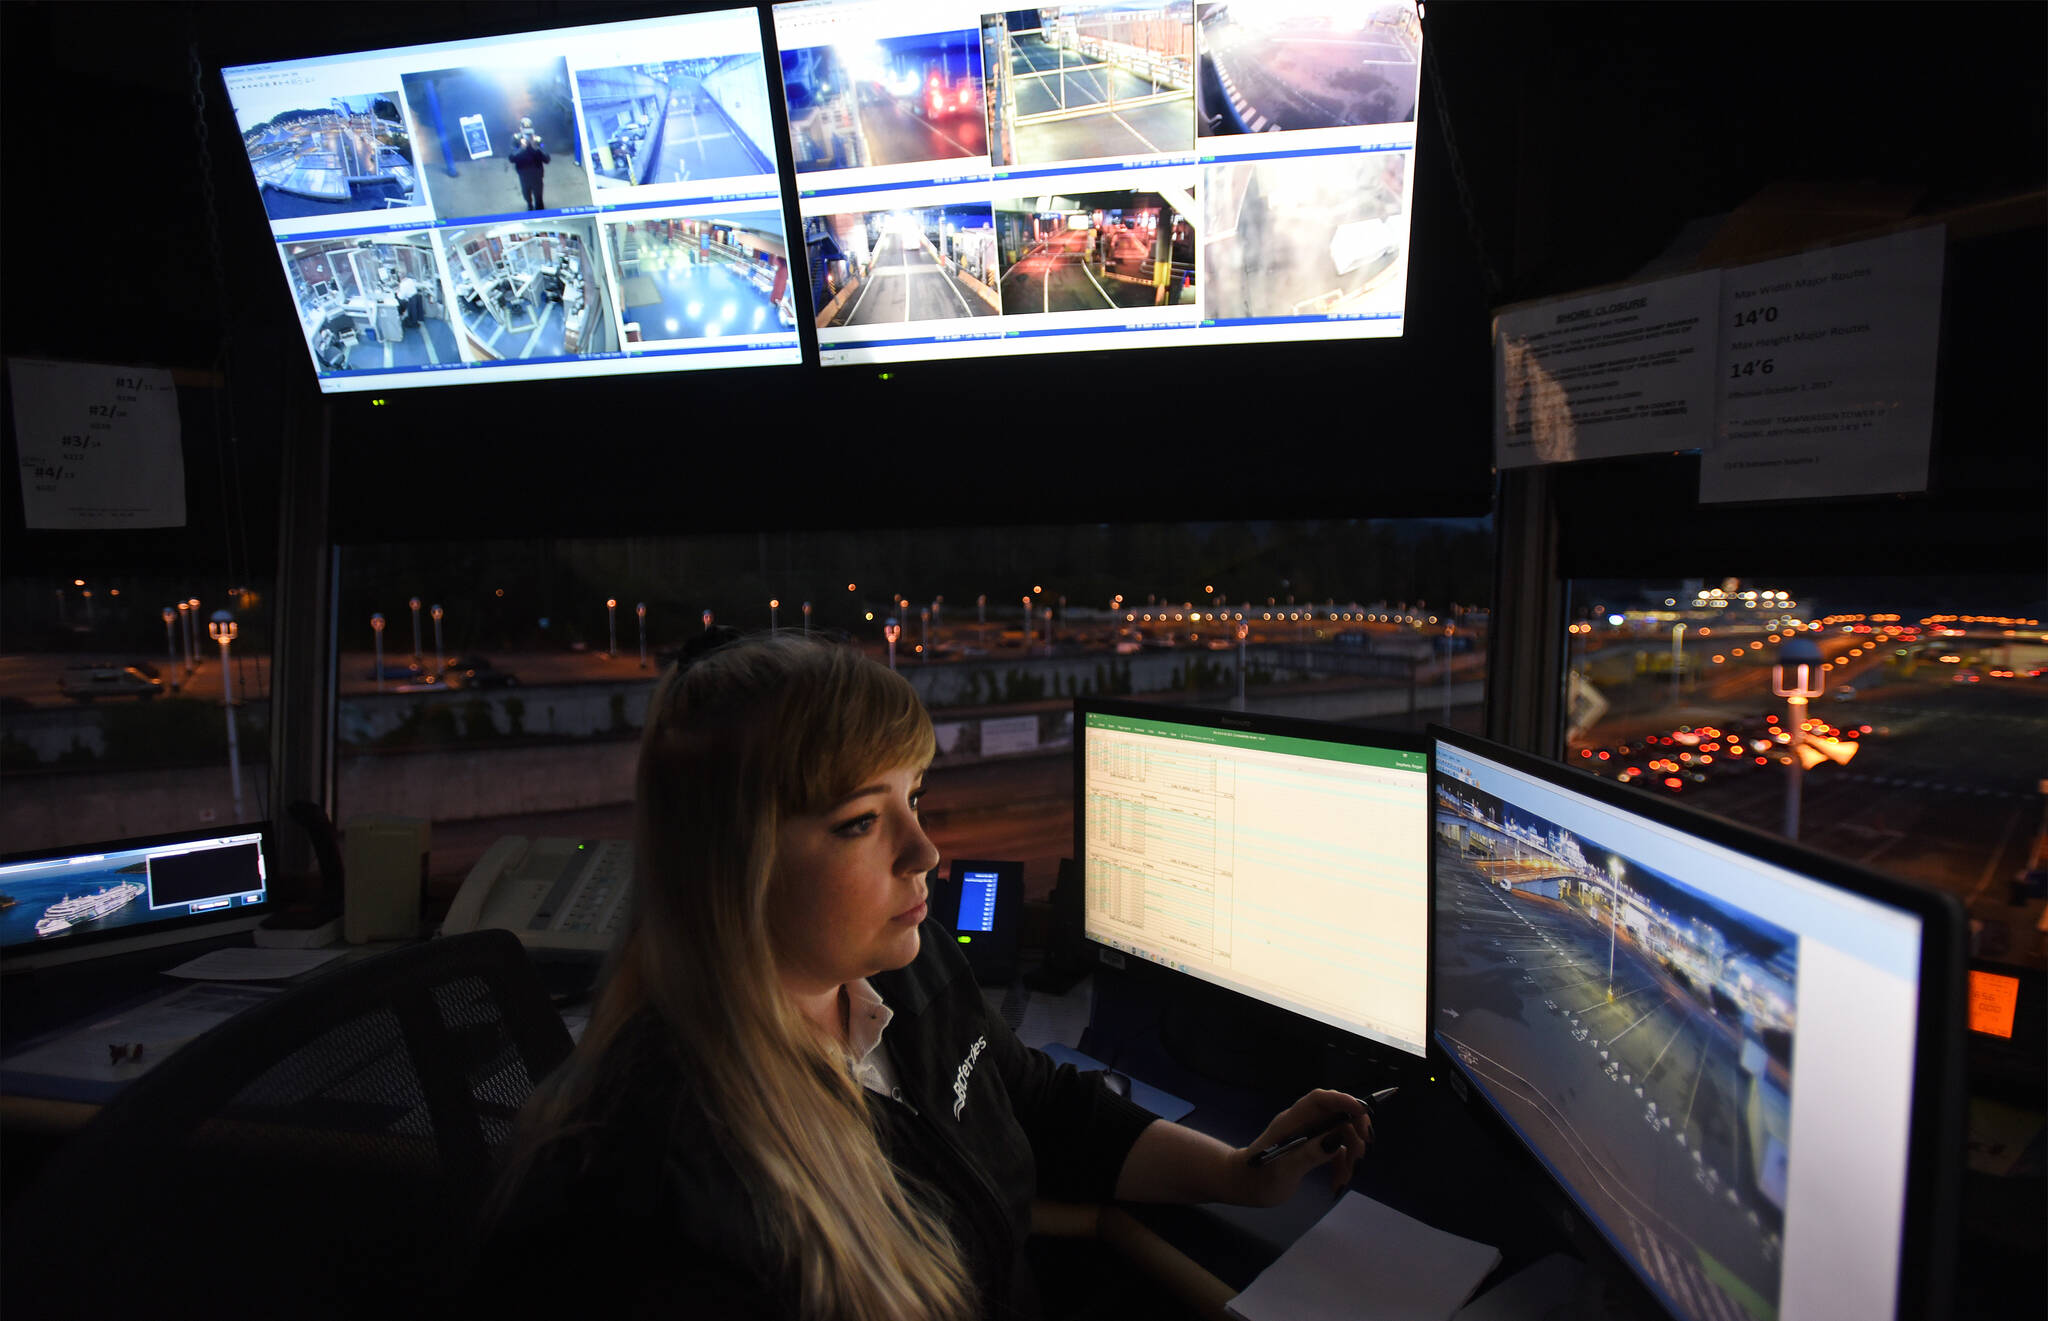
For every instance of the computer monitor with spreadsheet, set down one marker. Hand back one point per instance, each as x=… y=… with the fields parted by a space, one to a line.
x=1739 y=1059
x=1284 y=860
x=61 y=903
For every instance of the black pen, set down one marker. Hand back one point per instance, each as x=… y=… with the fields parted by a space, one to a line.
x=1316 y=1130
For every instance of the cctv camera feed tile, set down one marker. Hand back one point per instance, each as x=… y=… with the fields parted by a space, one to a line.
x=887 y=100
x=471 y=151
x=1085 y=82
x=701 y=277
x=498 y=139
x=369 y=304
x=1638 y=1032
x=1095 y=251
x=348 y=153
x=1278 y=67
x=1310 y=237
x=529 y=289
x=883 y=268
x=677 y=121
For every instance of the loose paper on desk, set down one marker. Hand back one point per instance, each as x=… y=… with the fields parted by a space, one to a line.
x=99 y=445
x=239 y=964
x=1365 y=1261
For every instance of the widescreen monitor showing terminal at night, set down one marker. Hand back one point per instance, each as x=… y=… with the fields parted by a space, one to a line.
x=977 y=181
x=584 y=202
x=1716 y=1045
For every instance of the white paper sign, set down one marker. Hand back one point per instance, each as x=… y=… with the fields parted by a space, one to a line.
x=99 y=445
x=1625 y=371
x=1008 y=734
x=1827 y=372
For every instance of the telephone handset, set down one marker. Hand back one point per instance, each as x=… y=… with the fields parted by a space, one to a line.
x=566 y=894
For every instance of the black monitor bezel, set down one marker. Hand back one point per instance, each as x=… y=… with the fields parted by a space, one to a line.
x=1387 y=1055
x=1935 y=1132
x=241 y=915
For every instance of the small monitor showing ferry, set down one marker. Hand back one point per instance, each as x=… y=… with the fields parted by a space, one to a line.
x=63 y=898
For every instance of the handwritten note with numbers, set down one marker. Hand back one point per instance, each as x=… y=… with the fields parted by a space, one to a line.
x=100 y=445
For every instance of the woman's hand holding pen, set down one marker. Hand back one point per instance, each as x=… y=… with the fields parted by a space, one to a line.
x=1324 y=1126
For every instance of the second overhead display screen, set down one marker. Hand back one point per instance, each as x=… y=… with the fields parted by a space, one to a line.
x=976 y=181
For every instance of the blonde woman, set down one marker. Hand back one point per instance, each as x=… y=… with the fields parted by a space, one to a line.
x=790 y=1100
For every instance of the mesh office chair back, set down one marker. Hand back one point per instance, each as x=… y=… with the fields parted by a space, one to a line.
x=321 y=1154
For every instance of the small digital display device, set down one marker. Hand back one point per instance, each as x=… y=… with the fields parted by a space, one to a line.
x=1284 y=860
x=1738 y=1058
x=192 y=883
x=983 y=902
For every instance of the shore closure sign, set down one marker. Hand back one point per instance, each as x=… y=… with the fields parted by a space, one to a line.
x=1620 y=371
x=1827 y=378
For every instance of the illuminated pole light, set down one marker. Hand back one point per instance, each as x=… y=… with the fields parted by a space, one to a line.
x=171 y=642
x=1027 y=625
x=640 y=611
x=981 y=618
x=707 y=621
x=938 y=611
x=892 y=630
x=417 y=656
x=1677 y=657
x=1244 y=631
x=223 y=630
x=185 y=629
x=440 y=652
x=611 y=624
x=377 y=628
x=1802 y=657
x=1615 y=869
x=773 y=605
x=807 y=619
x=1048 y=630
x=1450 y=631
x=924 y=632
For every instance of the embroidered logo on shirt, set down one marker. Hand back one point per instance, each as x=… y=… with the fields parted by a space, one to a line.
x=966 y=1070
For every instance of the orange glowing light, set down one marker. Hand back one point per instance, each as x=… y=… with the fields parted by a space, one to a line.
x=1672 y=782
x=1993 y=997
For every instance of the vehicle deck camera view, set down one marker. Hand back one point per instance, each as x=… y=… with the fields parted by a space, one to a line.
x=885 y=102
x=1270 y=68
x=1082 y=82
x=1711 y=1052
x=931 y=264
x=351 y=154
x=1092 y=251
x=676 y=121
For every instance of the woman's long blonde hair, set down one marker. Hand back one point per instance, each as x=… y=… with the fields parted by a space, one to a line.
x=736 y=742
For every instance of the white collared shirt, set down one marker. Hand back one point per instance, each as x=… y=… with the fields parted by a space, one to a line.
x=866 y=1019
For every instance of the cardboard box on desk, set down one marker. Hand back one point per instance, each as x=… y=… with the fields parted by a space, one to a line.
x=384 y=865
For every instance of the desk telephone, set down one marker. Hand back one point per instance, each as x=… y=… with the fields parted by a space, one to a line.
x=556 y=894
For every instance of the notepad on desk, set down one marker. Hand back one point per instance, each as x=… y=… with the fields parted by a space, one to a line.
x=1365 y=1261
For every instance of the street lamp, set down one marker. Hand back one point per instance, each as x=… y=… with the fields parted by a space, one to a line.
x=807 y=619
x=377 y=627
x=1801 y=656
x=1616 y=869
x=417 y=655
x=171 y=641
x=185 y=627
x=611 y=626
x=981 y=619
x=1027 y=626
x=640 y=611
x=223 y=630
x=773 y=605
x=440 y=652
x=707 y=621
x=1244 y=631
x=1677 y=658
x=1048 y=630
x=924 y=633
x=892 y=630
x=1449 y=633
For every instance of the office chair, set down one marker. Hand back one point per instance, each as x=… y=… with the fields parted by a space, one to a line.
x=320 y=1155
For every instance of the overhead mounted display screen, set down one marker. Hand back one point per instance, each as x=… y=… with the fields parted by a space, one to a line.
x=583 y=202
x=976 y=181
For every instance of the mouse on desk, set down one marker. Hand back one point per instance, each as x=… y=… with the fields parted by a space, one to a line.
x=1116 y=1082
